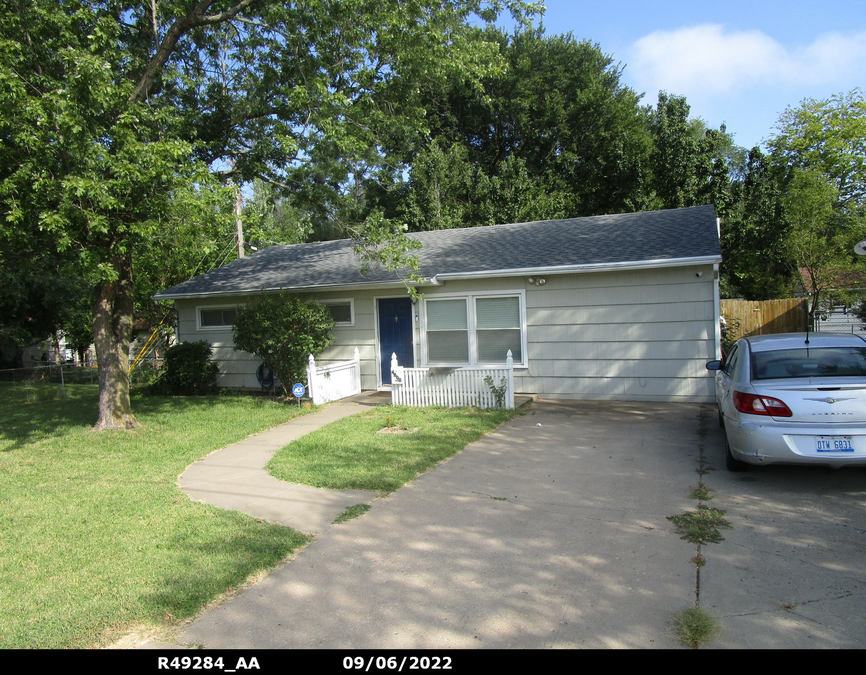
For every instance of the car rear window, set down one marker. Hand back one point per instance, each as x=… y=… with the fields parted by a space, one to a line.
x=823 y=362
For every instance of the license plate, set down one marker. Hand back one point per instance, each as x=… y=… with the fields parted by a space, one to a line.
x=833 y=444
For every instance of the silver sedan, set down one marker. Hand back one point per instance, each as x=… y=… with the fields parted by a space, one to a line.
x=793 y=398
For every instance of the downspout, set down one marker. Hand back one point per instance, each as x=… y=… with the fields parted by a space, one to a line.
x=717 y=310
x=717 y=301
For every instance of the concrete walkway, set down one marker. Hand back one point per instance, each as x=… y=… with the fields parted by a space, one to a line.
x=235 y=477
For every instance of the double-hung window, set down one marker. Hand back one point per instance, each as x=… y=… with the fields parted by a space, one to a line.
x=474 y=329
x=497 y=329
x=447 y=331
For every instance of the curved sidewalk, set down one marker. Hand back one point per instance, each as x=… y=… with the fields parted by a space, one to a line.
x=235 y=477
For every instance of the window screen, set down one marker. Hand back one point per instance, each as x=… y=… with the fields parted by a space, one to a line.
x=498 y=329
x=217 y=317
x=447 y=331
x=340 y=311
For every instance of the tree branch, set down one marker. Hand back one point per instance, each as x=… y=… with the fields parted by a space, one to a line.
x=178 y=29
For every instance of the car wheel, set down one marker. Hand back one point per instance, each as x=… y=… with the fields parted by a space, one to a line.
x=731 y=462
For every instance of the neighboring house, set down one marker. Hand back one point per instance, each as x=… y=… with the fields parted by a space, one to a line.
x=622 y=307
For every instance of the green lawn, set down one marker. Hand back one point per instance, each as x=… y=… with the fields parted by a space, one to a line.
x=94 y=533
x=384 y=448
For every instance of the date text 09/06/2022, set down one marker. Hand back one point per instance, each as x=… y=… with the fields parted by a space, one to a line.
x=350 y=663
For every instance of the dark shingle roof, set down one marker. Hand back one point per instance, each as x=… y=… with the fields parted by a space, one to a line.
x=672 y=235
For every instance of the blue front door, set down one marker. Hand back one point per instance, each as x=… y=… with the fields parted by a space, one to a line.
x=395 y=334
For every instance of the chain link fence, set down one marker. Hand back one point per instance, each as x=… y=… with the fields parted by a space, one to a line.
x=64 y=374
x=840 y=319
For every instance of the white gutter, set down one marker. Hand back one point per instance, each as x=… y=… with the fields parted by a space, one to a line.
x=295 y=289
x=578 y=269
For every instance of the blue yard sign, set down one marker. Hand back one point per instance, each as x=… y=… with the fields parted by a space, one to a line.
x=298 y=390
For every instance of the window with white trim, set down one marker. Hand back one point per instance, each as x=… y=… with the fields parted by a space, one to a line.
x=342 y=311
x=474 y=329
x=216 y=317
x=447 y=331
x=497 y=329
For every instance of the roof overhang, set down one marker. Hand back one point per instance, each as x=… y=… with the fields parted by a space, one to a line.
x=583 y=269
x=294 y=289
x=440 y=279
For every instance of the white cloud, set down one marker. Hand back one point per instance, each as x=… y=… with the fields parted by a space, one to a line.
x=709 y=61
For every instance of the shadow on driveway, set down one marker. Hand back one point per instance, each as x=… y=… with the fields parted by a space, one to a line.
x=552 y=532
x=536 y=536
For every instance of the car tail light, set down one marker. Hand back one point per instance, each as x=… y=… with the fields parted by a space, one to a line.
x=753 y=404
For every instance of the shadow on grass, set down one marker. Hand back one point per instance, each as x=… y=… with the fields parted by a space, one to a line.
x=189 y=585
x=34 y=413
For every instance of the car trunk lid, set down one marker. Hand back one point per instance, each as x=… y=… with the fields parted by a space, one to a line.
x=820 y=401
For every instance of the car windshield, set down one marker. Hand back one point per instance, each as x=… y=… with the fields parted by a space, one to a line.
x=805 y=362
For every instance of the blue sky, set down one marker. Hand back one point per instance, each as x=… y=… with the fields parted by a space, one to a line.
x=737 y=62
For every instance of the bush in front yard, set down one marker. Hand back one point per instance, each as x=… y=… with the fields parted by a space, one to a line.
x=283 y=330
x=188 y=370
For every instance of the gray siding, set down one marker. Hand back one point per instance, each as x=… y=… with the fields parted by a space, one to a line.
x=631 y=335
x=627 y=335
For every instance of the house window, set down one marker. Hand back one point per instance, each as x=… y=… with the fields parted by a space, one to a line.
x=474 y=329
x=447 y=331
x=497 y=329
x=217 y=317
x=342 y=311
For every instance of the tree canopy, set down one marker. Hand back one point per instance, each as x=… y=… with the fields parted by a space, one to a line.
x=827 y=136
x=284 y=330
x=553 y=133
x=121 y=120
x=801 y=208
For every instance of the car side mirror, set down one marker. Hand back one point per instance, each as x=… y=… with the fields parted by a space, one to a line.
x=714 y=365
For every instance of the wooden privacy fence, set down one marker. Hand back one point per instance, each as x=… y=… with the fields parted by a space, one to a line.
x=453 y=387
x=766 y=317
x=334 y=381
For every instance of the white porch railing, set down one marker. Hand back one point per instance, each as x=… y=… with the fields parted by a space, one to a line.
x=453 y=387
x=334 y=381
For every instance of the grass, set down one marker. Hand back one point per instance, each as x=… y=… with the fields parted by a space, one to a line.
x=96 y=537
x=351 y=513
x=694 y=626
x=353 y=454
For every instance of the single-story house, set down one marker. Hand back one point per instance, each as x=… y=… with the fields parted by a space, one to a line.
x=622 y=307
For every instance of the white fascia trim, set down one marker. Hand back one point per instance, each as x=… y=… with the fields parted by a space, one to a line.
x=577 y=269
x=296 y=289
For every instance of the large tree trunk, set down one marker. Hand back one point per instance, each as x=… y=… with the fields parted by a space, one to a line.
x=112 y=331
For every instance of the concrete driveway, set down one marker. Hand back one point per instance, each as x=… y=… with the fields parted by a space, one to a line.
x=553 y=532
x=792 y=571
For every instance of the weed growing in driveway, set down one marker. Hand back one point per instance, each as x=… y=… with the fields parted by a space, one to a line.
x=694 y=626
x=701 y=526
x=701 y=492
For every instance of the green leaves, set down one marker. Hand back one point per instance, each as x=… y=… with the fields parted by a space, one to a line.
x=701 y=526
x=121 y=121
x=283 y=330
x=827 y=136
x=548 y=132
